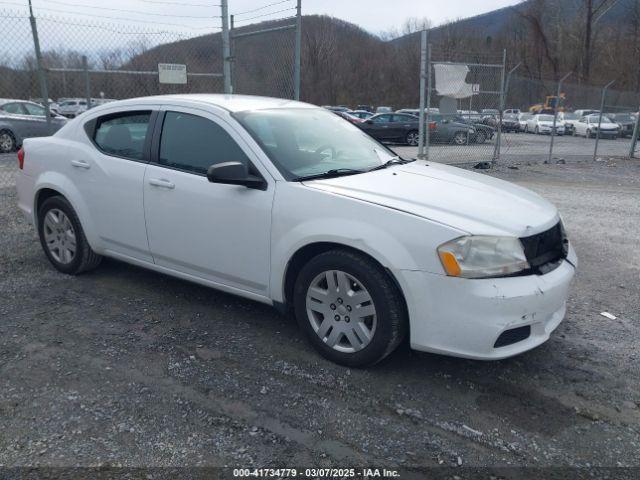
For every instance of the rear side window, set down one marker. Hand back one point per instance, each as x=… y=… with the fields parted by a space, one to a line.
x=123 y=135
x=194 y=143
x=32 y=109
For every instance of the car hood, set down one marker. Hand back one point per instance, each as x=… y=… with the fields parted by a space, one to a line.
x=467 y=201
x=606 y=126
x=550 y=124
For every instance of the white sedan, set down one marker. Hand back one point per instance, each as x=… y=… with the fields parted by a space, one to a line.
x=285 y=203
x=543 y=124
x=587 y=127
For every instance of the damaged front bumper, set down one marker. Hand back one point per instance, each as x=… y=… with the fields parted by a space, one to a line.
x=485 y=319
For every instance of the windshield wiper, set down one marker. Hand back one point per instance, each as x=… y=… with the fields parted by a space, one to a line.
x=336 y=172
x=393 y=161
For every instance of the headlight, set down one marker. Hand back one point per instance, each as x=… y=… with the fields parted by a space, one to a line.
x=483 y=256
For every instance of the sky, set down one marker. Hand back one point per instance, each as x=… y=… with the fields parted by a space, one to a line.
x=69 y=24
x=373 y=15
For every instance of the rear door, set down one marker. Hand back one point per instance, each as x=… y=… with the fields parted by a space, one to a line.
x=15 y=117
x=219 y=233
x=403 y=124
x=36 y=115
x=109 y=172
x=381 y=127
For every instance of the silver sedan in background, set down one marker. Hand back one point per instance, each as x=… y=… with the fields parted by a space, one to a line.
x=20 y=119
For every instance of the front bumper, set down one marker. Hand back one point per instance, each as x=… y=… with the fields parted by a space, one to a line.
x=464 y=318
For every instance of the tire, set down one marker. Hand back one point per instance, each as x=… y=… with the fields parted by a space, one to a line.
x=460 y=138
x=7 y=141
x=57 y=238
x=412 y=138
x=376 y=336
x=481 y=137
x=537 y=131
x=526 y=129
x=587 y=134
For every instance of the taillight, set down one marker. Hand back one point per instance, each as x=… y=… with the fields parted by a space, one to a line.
x=432 y=125
x=21 y=158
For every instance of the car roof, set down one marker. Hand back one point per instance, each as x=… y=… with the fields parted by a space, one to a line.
x=12 y=100
x=232 y=103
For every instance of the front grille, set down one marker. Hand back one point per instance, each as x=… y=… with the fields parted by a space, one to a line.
x=546 y=250
x=515 y=335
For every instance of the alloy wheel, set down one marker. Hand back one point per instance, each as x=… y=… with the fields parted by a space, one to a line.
x=59 y=236
x=7 y=143
x=413 y=138
x=341 y=311
x=460 y=138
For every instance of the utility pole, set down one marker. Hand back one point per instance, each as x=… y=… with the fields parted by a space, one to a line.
x=423 y=86
x=226 y=52
x=44 y=92
x=298 y=49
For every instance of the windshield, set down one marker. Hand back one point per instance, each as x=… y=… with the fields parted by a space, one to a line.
x=624 y=118
x=570 y=116
x=311 y=141
x=525 y=116
x=545 y=118
x=596 y=119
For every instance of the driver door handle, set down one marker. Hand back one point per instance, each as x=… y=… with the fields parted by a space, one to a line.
x=162 y=183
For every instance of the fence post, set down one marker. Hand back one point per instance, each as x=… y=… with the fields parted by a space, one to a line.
x=555 y=114
x=87 y=84
x=426 y=117
x=298 y=51
x=423 y=75
x=604 y=94
x=634 y=139
x=496 y=151
x=44 y=91
x=226 y=60
x=232 y=51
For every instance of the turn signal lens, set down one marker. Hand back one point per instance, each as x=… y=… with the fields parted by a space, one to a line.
x=450 y=264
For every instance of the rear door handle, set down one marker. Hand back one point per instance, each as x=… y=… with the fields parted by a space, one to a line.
x=162 y=183
x=80 y=164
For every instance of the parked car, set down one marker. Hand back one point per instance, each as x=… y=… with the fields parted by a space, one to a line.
x=483 y=132
x=569 y=119
x=339 y=108
x=542 y=124
x=384 y=110
x=584 y=112
x=416 y=111
x=72 y=108
x=366 y=108
x=446 y=129
x=363 y=114
x=626 y=122
x=350 y=118
x=510 y=123
x=20 y=119
x=523 y=118
x=393 y=127
x=512 y=111
x=286 y=204
x=587 y=127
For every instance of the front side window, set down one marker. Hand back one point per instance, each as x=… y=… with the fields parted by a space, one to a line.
x=311 y=141
x=194 y=143
x=123 y=135
x=382 y=119
x=35 y=110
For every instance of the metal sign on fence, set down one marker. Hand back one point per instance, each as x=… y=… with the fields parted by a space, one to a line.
x=172 y=73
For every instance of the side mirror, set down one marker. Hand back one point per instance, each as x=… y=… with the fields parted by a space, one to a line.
x=368 y=121
x=235 y=173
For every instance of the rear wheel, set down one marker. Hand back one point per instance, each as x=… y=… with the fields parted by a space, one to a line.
x=349 y=308
x=7 y=142
x=63 y=239
x=588 y=134
x=481 y=137
x=413 y=138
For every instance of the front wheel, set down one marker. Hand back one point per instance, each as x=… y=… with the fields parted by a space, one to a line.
x=460 y=138
x=349 y=308
x=63 y=239
x=413 y=138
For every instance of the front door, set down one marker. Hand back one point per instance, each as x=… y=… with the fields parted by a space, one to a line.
x=220 y=233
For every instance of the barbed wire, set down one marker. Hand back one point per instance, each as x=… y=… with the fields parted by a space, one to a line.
x=262 y=8
x=137 y=12
x=266 y=15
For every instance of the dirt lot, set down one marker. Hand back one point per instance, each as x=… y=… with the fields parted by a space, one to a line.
x=127 y=367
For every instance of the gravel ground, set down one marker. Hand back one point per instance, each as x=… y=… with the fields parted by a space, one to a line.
x=123 y=366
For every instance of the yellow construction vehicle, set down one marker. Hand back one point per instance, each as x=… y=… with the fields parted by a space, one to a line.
x=549 y=106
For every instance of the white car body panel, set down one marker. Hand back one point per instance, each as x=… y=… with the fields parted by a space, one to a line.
x=586 y=124
x=241 y=240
